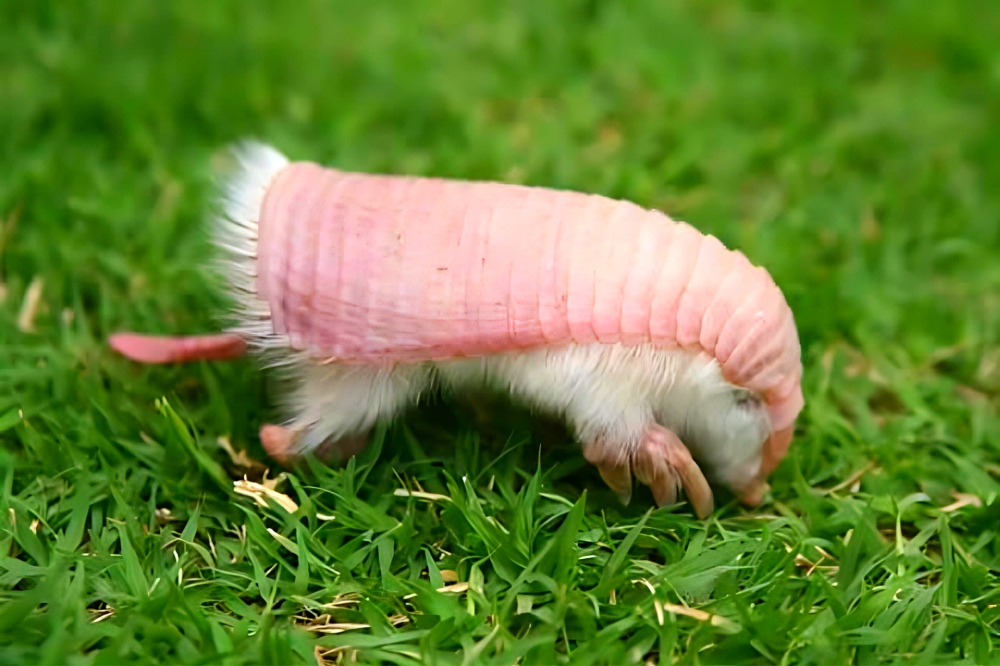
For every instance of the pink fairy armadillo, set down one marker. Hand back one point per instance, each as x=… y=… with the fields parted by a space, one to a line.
x=657 y=344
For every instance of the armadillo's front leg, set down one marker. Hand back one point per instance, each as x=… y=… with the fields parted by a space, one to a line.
x=664 y=464
x=661 y=461
x=335 y=406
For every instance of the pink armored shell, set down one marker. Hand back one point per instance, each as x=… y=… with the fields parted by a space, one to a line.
x=372 y=269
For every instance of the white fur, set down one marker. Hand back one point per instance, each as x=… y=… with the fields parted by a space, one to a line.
x=603 y=391
x=615 y=392
x=334 y=401
x=235 y=233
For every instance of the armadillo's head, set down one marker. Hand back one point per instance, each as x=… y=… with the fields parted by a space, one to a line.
x=729 y=431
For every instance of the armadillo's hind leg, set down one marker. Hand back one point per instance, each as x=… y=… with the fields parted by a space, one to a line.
x=288 y=443
x=335 y=406
x=663 y=463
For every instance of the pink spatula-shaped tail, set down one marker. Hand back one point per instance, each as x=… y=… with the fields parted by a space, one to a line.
x=177 y=349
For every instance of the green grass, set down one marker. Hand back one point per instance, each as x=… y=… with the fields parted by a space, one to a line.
x=852 y=148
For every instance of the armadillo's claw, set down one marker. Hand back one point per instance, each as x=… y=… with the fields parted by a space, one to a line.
x=619 y=479
x=665 y=490
x=698 y=491
x=616 y=472
x=664 y=464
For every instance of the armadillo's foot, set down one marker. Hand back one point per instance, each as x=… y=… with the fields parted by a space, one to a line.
x=279 y=442
x=288 y=444
x=753 y=494
x=665 y=465
x=661 y=462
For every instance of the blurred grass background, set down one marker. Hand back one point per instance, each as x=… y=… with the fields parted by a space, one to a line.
x=851 y=148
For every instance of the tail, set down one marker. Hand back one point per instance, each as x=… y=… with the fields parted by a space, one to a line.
x=177 y=349
x=235 y=233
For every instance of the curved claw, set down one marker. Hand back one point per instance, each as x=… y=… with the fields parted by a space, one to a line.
x=619 y=479
x=665 y=489
x=617 y=473
x=698 y=491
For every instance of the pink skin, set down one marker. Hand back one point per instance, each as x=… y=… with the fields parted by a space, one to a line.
x=371 y=269
x=280 y=443
x=435 y=234
x=177 y=349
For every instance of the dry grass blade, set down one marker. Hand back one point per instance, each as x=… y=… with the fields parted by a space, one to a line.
x=260 y=493
x=101 y=614
x=700 y=615
x=323 y=624
x=240 y=458
x=850 y=481
x=416 y=494
x=30 y=305
x=962 y=500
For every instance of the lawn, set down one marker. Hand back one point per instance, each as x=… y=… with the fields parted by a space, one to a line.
x=851 y=148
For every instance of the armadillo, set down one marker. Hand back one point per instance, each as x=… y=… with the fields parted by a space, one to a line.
x=674 y=361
